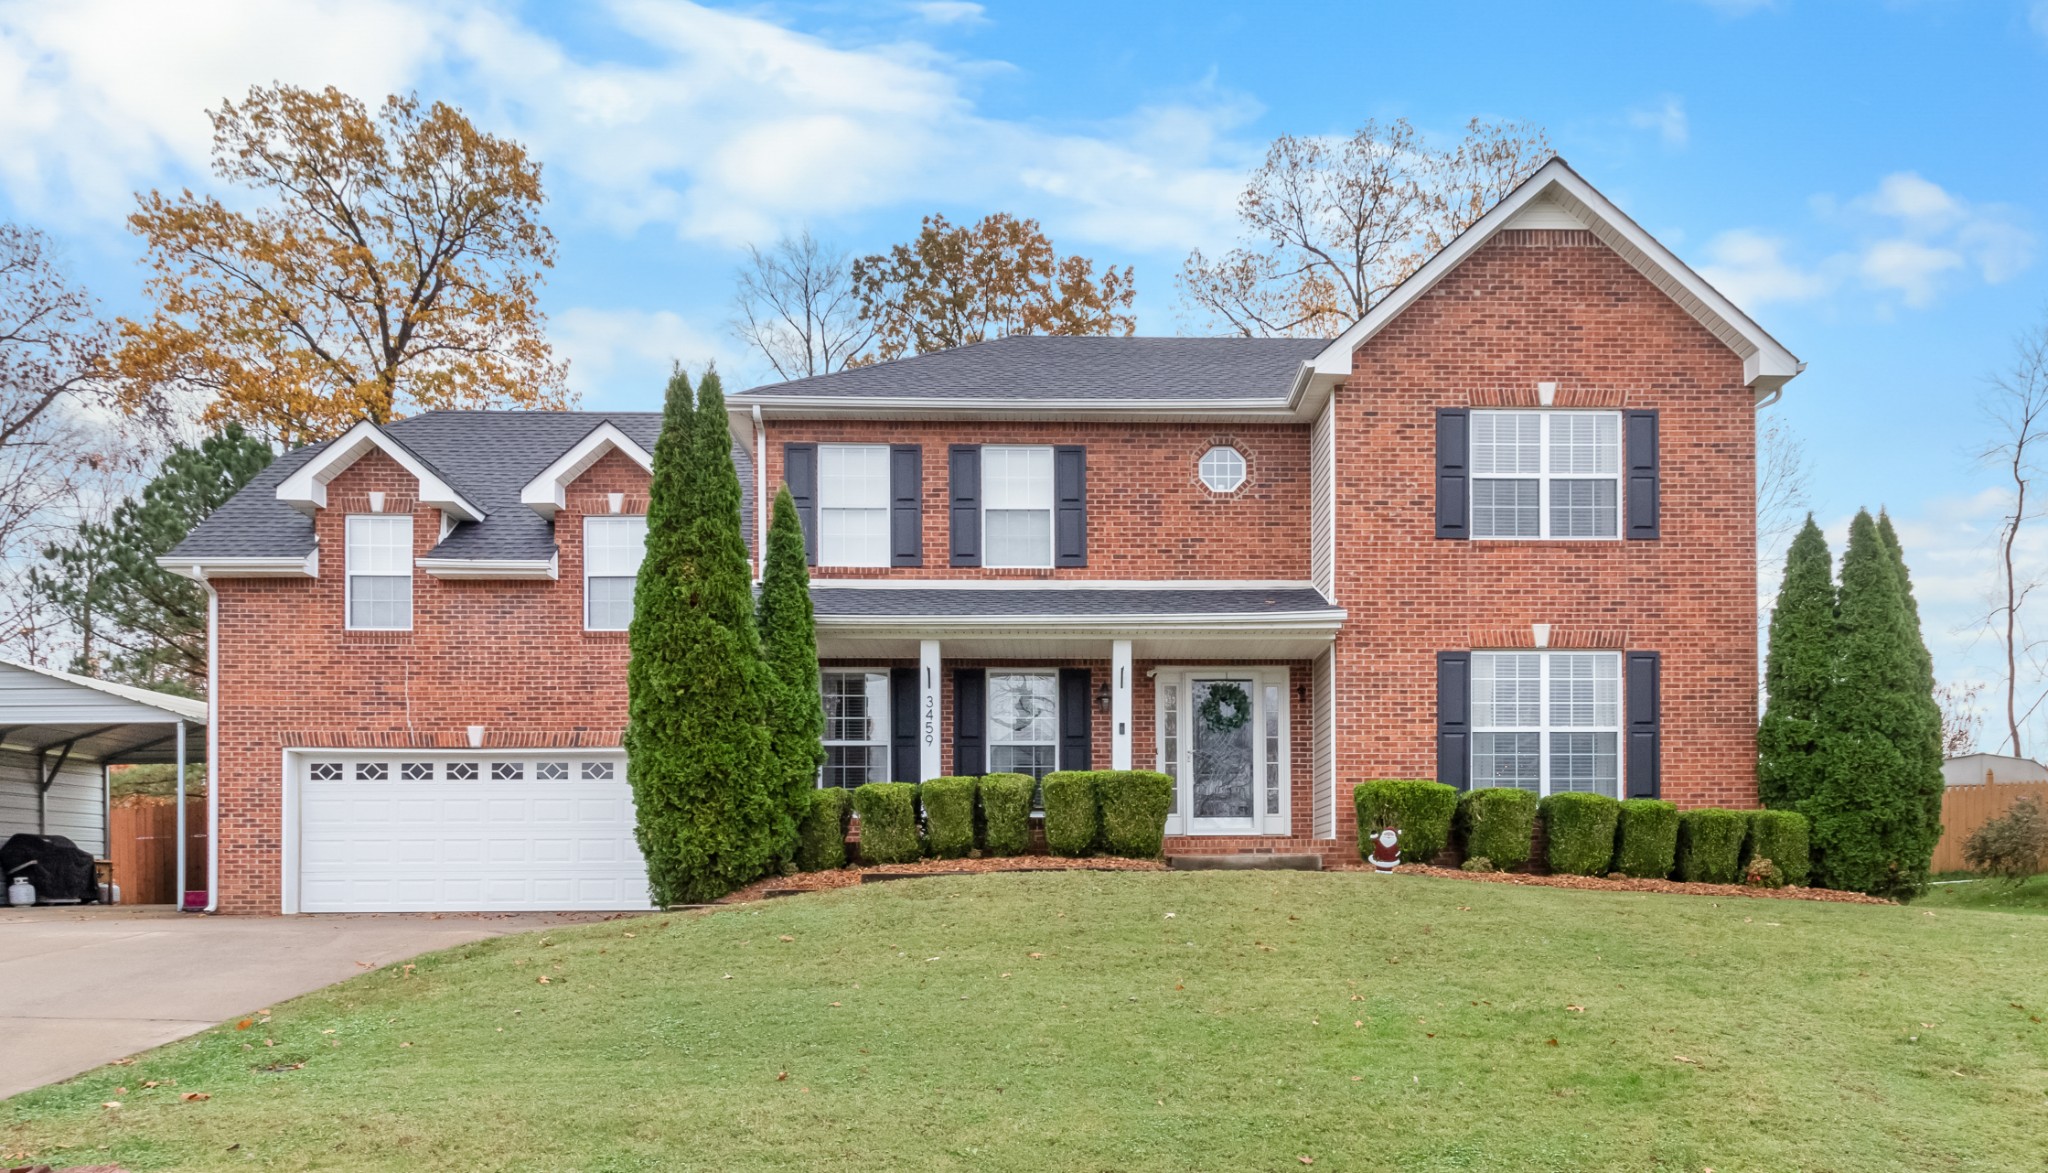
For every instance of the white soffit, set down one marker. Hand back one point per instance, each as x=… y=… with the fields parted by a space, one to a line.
x=1556 y=196
x=547 y=493
x=306 y=489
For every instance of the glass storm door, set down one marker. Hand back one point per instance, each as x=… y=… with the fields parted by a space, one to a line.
x=1219 y=775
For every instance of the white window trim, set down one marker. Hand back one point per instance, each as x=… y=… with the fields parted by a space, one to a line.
x=1244 y=468
x=1544 y=728
x=587 y=576
x=887 y=722
x=1181 y=822
x=1543 y=476
x=1052 y=501
x=348 y=576
x=988 y=717
x=825 y=505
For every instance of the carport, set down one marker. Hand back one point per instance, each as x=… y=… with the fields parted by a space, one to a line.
x=59 y=733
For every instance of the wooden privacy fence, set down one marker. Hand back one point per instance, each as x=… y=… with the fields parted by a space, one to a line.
x=143 y=843
x=1966 y=808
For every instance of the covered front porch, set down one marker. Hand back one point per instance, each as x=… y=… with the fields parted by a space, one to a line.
x=1223 y=689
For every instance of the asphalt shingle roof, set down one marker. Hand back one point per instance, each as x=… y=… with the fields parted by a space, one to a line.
x=920 y=602
x=487 y=456
x=1072 y=368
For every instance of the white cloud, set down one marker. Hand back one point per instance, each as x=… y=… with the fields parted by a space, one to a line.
x=952 y=12
x=630 y=350
x=1752 y=270
x=1907 y=267
x=1667 y=118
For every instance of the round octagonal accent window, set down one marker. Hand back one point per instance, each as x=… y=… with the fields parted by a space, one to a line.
x=1222 y=469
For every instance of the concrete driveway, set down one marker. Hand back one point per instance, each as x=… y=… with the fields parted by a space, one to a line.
x=85 y=986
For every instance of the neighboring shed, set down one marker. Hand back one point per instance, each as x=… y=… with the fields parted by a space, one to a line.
x=58 y=735
x=1975 y=769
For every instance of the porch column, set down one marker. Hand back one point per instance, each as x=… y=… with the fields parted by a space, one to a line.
x=1120 y=704
x=178 y=797
x=928 y=709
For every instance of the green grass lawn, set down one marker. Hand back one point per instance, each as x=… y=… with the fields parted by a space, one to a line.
x=1990 y=895
x=1170 y=1021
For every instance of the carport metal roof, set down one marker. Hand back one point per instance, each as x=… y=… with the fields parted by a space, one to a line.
x=43 y=710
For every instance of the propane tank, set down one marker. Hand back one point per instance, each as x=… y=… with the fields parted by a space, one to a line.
x=20 y=893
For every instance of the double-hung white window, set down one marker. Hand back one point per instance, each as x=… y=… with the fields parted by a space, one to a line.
x=1546 y=474
x=1547 y=722
x=1016 y=507
x=1023 y=723
x=853 y=505
x=379 y=571
x=856 y=727
x=612 y=549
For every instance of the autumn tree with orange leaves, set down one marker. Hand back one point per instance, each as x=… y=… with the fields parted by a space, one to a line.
x=392 y=268
x=959 y=284
x=1331 y=225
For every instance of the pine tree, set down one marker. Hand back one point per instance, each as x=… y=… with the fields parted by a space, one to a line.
x=789 y=644
x=1799 y=673
x=1870 y=825
x=697 y=739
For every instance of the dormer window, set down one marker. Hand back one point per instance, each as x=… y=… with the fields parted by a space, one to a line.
x=379 y=572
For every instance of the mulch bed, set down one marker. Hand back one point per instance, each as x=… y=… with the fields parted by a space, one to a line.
x=847 y=877
x=1603 y=884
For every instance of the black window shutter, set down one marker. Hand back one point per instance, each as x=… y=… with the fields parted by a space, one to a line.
x=800 y=473
x=1454 y=719
x=963 y=464
x=970 y=722
x=1453 y=472
x=1077 y=725
x=1070 y=506
x=1645 y=725
x=906 y=505
x=1644 y=470
x=904 y=696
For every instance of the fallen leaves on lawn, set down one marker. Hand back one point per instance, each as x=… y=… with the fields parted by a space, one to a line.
x=111 y=1104
x=543 y=980
x=781 y=1075
x=1306 y=1160
x=1683 y=1059
x=245 y=1024
x=785 y=937
x=630 y=936
x=835 y=1003
x=1547 y=1042
x=1034 y=956
x=191 y=1097
x=1575 y=1008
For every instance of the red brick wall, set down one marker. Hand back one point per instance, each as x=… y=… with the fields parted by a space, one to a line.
x=512 y=656
x=1555 y=307
x=1148 y=515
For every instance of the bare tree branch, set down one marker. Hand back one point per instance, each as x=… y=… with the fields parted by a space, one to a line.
x=795 y=303
x=2017 y=406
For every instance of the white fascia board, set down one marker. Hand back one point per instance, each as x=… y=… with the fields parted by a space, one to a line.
x=499 y=568
x=202 y=569
x=306 y=489
x=1065 y=584
x=1764 y=358
x=1140 y=623
x=547 y=493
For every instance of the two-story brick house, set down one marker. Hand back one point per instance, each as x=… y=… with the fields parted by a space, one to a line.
x=1499 y=532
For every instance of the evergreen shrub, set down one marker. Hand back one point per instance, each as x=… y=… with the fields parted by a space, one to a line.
x=888 y=822
x=1499 y=823
x=1581 y=832
x=1648 y=843
x=1133 y=806
x=1006 y=813
x=1072 y=821
x=1781 y=837
x=1710 y=845
x=1422 y=810
x=948 y=816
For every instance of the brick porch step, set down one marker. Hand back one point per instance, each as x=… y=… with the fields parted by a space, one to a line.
x=1259 y=862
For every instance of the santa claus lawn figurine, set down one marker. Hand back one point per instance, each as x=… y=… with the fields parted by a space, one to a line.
x=1386 y=849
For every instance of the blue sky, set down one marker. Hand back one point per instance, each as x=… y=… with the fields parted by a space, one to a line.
x=1868 y=179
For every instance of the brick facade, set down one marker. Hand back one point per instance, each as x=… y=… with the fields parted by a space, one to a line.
x=1527 y=307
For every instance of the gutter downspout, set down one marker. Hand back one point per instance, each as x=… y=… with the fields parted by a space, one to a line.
x=760 y=496
x=212 y=746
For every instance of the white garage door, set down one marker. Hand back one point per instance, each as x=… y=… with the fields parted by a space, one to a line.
x=424 y=832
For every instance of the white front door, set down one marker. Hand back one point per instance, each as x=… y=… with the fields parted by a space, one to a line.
x=447 y=831
x=1222 y=738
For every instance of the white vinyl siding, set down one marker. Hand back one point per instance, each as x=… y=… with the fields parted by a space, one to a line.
x=1016 y=507
x=1547 y=722
x=1322 y=504
x=1324 y=747
x=379 y=571
x=853 y=505
x=856 y=727
x=613 y=548
x=1546 y=474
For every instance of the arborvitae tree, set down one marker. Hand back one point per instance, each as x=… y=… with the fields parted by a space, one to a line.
x=1798 y=674
x=789 y=644
x=1925 y=748
x=1870 y=824
x=697 y=739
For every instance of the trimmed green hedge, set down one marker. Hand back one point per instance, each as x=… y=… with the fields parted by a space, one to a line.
x=948 y=816
x=1710 y=845
x=1499 y=823
x=1648 y=849
x=1781 y=837
x=888 y=822
x=821 y=835
x=1133 y=806
x=1580 y=828
x=1006 y=813
x=1420 y=809
x=1071 y=819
